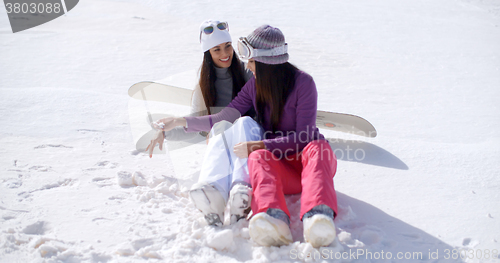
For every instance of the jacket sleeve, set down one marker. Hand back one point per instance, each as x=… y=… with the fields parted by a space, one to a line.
x=240 y=104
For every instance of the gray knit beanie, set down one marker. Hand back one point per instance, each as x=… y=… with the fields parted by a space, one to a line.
x=267 y=37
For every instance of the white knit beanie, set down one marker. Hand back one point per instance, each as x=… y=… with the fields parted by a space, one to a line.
x=217 y=37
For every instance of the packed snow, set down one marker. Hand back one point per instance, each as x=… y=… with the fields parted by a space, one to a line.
x=426 y=74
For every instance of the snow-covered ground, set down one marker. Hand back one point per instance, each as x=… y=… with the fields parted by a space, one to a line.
x=426 y=73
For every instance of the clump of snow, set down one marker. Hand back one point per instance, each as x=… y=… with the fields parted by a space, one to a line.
x=37 y=228
x=50 y=250
x=125 y=179
x=125 y=249
x=344 y=237
x=220 y=240
x=139 y=179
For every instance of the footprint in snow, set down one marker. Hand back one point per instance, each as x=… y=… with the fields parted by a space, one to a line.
x=41 y=168
x=136 y=152
x=117 y=197
x=103 y=165
x=411 y=236
x=8 y=217
x=86 y=131
x=19 y=164
x=18 y=167
x=64 y=182
x=52 y=146
x=12 y=183
x=98 y=220
x=9 y=214
x=38 y=228
x=469 y=242
x=103 y=181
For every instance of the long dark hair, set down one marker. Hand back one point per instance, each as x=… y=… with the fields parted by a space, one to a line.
x=208 y=78
x=273 y=83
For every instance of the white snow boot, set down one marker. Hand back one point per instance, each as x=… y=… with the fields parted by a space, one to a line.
x=209 y=201
x=240 y=199
x=267 y=231
x=319 y=230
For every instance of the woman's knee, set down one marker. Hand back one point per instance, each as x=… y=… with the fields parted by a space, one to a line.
x=249 y=125
x=262 y=159
x=259 y=157
x=245 y=119
x=262 y=165
x=320 y=149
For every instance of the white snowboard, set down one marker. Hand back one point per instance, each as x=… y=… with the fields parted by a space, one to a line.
x=152 y=91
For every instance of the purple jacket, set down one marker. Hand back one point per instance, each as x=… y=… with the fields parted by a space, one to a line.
x=298 y=121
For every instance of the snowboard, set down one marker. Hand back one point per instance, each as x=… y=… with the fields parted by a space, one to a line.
x=341 y=122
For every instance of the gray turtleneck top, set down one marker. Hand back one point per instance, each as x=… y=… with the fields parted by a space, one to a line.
x=223 y=87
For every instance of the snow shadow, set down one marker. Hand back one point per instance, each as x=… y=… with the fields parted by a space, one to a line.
x=364 y=152
x=364 y=228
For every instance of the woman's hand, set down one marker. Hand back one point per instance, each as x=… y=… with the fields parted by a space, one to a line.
x=167 y=124
x=243 y=149
x=158 y=139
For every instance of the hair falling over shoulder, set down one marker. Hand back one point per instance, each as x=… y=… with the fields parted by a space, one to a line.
x=208 y=78
x=274 y=83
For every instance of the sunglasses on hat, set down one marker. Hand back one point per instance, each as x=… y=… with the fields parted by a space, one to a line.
x=210 y=29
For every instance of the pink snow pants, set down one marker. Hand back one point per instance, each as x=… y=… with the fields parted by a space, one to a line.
x=309 y=172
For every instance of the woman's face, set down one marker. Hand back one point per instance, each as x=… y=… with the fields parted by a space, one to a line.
x=222 y=55
x=251 y=66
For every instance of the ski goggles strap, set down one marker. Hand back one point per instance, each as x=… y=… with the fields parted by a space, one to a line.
x=246 y=51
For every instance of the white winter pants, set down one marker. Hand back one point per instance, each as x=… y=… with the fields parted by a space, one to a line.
x=221 y=167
